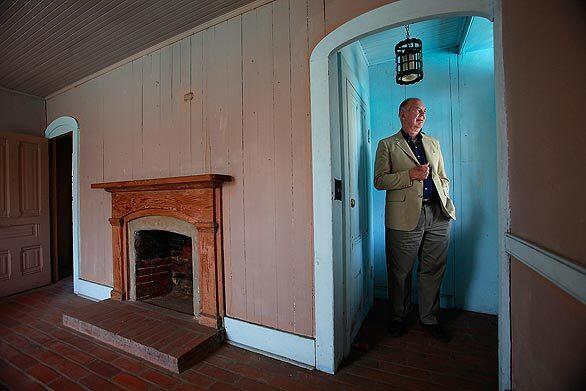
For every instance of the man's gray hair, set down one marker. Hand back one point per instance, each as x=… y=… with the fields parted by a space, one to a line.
x=404 y=104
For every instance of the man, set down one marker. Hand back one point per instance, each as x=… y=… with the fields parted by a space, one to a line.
x=410 y=167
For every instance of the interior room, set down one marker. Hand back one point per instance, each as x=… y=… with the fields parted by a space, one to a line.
x=187 y=196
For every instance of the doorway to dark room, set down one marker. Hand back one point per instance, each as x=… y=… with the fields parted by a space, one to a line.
x=60 y=177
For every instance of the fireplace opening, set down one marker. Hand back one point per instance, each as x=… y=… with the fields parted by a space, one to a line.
x=164 y=269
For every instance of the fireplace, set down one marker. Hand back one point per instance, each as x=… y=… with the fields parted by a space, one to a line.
x=163 y=263
x=163 y=270
x=167 y=243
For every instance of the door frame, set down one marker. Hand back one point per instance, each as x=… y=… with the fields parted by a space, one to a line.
x=53 y=223
x=325 y=122
x=59 y=127
x=345 y=84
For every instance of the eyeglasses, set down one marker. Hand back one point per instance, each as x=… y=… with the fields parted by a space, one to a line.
x=419 y=110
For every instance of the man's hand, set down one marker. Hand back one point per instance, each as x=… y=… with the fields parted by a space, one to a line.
x=419 y=173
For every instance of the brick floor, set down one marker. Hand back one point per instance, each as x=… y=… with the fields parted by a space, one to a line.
x=37 y=352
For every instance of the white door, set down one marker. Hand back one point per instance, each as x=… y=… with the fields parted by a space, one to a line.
x=24 y=213
x=357 y=270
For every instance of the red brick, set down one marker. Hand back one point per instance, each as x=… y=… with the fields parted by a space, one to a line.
x=224 y=387
x=102 y=368
x=130 y=382
x=288 y=383
x=348 y=378
x=370 y=374
x=63 y=384
x=129 y=364
x=42 y=373
x=22 y=344
x=11 y=376
x=218 y=373
x=103 y=353
x=78 y=356
x=71 y=369
x=160 y=379
x=196 y=378
x=49 y=358
x=179 y=334
x=94 y=382
x=29 y=385
x=249 y=384
x=15 y=357
x=187 y=387
x=248 y=371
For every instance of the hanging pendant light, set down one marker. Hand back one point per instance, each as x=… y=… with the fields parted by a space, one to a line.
x=409 y=60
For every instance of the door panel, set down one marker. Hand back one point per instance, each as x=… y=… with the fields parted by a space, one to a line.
x=24 y=213
x=4 y=188
x=29 y=158
x=357 y=272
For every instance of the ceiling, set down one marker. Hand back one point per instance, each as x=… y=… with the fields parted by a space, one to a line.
x=435 y=34
x=46 y=45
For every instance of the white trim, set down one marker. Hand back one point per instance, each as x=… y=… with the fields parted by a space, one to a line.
x=565 y=274
x=388 y=16
x=59 y=127
x=504 y=211
x=275 y=343
x=91 y=290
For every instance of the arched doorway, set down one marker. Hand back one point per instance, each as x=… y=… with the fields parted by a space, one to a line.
x=59 y=127
x=329 y=305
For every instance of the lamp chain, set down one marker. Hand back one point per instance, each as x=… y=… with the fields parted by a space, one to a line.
x=407 y=29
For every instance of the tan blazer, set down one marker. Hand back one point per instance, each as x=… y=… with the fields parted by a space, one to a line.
x=393 y=161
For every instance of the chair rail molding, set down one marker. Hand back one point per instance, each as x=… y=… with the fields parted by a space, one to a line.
x=563 y=273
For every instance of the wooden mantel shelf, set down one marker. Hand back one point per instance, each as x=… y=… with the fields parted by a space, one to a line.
x=195 y=199
x=172 y=183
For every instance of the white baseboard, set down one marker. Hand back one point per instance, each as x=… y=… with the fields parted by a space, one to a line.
x=274 y=343
x=91 y=290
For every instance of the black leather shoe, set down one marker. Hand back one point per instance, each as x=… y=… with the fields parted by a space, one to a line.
x=437 y=332
x=396 y=328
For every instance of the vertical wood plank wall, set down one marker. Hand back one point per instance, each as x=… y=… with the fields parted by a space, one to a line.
x=249 y=118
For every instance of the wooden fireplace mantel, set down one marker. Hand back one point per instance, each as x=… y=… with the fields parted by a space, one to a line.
x=172 y=183
x=196 y=199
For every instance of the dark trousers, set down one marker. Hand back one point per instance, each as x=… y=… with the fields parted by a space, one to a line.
x=429 y=242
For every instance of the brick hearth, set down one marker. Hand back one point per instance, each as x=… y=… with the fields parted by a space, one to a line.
x=163 y=337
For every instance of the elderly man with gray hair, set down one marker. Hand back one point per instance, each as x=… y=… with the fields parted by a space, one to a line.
x=409 y=165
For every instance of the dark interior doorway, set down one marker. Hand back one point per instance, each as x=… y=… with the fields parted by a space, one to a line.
x=60 y=153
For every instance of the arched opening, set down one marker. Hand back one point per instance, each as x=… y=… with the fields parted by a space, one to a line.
x=328 y=213
x=63 y=127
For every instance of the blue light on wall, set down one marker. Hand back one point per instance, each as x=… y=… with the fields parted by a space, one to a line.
x=458 y=93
